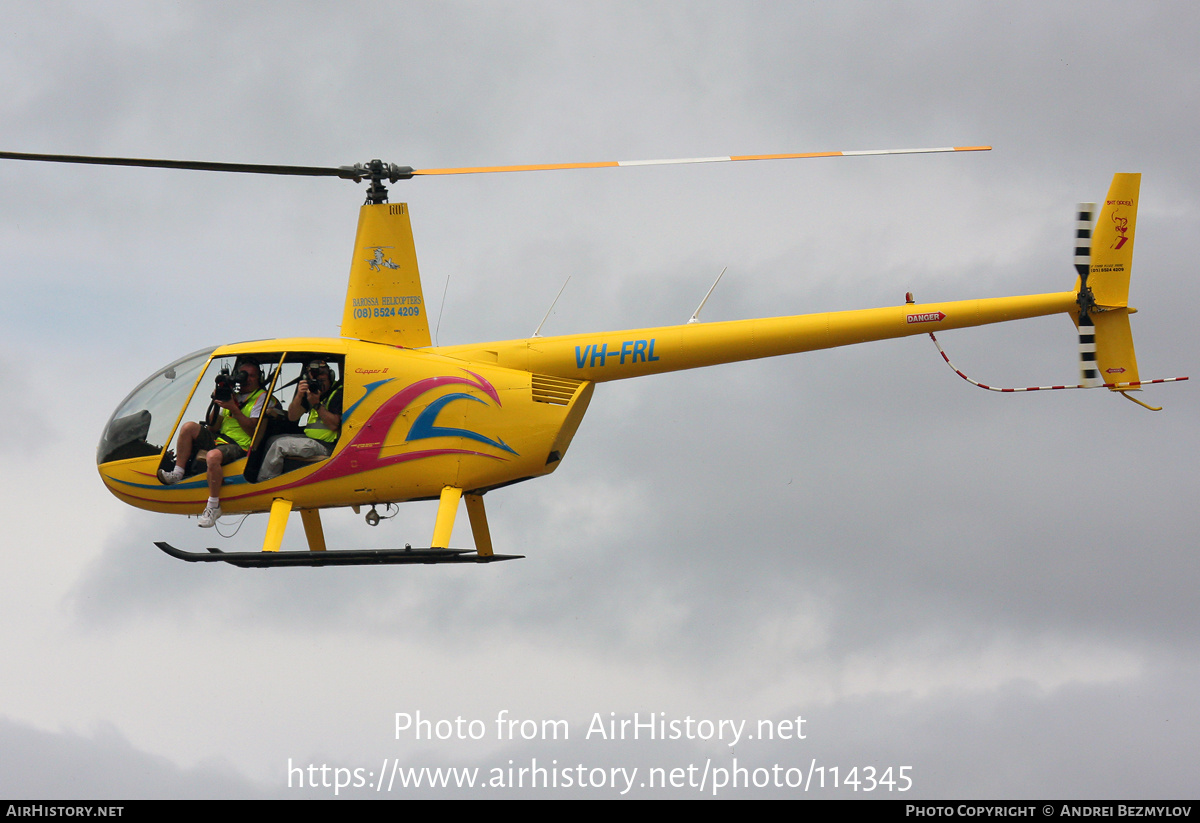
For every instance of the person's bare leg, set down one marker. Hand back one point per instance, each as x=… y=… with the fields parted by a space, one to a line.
x=188 y=433
x=212 y=458
x=212 y=510
x=183 y=444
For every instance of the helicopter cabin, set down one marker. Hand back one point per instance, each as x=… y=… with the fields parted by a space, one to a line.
x=147 y=421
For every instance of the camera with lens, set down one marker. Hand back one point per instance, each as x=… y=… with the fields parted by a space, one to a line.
x=227 y=384
x=312 y=376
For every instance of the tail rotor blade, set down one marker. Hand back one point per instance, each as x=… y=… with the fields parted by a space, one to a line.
x=1089 y=375
x=1085 y=217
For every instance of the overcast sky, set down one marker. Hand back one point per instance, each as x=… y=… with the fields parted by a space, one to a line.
x=997 y=592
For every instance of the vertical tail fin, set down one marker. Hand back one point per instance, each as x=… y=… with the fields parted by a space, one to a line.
x=1103 y=261
x=384 y=303
x=1112 y=243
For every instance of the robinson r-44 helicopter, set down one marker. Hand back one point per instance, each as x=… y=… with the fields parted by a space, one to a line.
x=452 y=423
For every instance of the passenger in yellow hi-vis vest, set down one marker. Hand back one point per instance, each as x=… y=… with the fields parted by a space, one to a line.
x=320 y=396
x=224 y=437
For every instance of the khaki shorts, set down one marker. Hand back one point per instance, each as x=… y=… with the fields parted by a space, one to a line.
x=206 y=442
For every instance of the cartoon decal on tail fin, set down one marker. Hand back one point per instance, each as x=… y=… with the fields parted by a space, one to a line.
x=1112 y=243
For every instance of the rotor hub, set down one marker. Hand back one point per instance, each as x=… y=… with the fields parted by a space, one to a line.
x=376 y=171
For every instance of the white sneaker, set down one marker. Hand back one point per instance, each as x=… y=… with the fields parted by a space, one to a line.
x=170 y=478
x=208 y=517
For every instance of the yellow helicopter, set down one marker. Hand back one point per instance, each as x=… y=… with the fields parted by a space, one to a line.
x=397 y=419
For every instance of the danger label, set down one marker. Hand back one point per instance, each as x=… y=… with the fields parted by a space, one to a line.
x=931 y=317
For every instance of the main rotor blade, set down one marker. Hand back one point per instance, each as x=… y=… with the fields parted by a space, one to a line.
x=377 y=170
x=732 y=158
x=246 y=168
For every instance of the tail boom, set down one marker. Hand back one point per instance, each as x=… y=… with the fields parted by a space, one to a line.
x=637 y=352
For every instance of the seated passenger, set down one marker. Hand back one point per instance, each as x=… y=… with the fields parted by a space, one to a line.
x=321 y=398
x=224 y=436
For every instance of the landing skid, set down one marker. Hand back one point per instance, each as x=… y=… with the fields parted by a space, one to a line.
x=349 y=557
x=438 y=552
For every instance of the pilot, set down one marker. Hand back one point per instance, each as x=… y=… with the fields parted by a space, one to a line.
x=320 y=398
x=223 y=438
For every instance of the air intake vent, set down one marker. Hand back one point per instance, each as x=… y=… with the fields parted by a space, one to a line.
x=556 y=390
